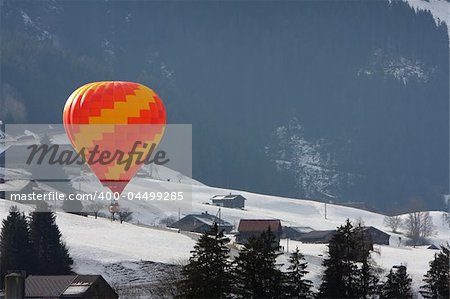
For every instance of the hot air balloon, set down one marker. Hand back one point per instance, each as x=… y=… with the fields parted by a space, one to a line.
x=114 y=117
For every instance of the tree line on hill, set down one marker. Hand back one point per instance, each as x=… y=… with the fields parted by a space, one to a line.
x=349 y=271
x=33 y=244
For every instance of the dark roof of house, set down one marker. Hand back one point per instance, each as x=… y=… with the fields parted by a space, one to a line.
x=299 y=229
x=258 y=225
x=208 y=219
x=47 y=286
x=434 y=247
x=318 y=234
x=326 y=235
x=229 y=196
x=374 y=229
x=58 y=285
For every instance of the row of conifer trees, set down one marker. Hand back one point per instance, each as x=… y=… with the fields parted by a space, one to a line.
x=33 y=244
x=349 y=271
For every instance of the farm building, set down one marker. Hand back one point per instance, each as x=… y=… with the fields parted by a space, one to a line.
x=58 y=286
x=317 y=236
x=293 y=233
x=376 y=236
x=372 y=235
x=201 y=223
x=249 y=228
x=229 y=201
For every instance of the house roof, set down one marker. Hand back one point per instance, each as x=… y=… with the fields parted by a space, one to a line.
x=13 y=185
x=259 y=225
x=318 y=234
x=374 y=229
x=297 y=229
x=37 y=286
x=209 y=219
x=229 y=196
x=47 y=286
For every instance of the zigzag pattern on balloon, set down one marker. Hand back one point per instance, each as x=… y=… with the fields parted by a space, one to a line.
x=113 y=116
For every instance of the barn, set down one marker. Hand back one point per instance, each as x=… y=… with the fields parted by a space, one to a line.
x=317 y=236
x=295 y=232
x=372 y=235
x=377 y=236
x=253 y=228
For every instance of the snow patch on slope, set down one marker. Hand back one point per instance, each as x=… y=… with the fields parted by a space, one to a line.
x=439 y=9
x=399 y=68
x=42 y=34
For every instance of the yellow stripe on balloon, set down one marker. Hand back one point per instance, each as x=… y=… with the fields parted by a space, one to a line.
x=114 y=171
x=88 y=136
x=122 y=111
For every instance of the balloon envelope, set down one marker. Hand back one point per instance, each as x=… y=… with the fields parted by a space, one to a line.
x=114 y=120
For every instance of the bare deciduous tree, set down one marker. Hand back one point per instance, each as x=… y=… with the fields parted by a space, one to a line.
x=125 y=215
x=393 y=222
x=95 y=207
x=419 y=225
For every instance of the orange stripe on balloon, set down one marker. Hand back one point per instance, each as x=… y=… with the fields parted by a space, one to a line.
x=122 y=111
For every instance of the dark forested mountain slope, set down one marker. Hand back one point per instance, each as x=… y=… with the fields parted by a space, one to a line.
x=342 y=100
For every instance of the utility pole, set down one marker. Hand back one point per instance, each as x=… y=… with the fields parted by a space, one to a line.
x=325 y=210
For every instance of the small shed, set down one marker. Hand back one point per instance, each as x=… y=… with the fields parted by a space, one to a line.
x=235 y=201
x=253 y=228
x=200 y=223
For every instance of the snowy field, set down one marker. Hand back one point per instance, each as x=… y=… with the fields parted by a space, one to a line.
x=116 y=250
x=130 y=251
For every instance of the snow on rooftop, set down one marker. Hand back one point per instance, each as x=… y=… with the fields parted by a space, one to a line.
x=77 y=288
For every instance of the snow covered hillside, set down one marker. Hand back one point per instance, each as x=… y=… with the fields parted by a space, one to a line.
x=130 y=253
x=122 y=253
x=439 y=9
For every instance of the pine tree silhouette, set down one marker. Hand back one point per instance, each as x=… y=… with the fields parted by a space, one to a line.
x=207 y=275
x=52 y=256
x=15 y=247
x=349 y=272
x=397 y=285
x=437 y=277
x=256 y=272
x=296 y=285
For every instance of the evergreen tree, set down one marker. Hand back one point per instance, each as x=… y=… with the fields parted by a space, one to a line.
x=337 y=280
x=256 y=272
x=52 y=256
x=437 y=277
x=397 y=285
x=366 y=285
x=349 y=272
x=15 y=247
x=207 y=275
x=296 y=285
